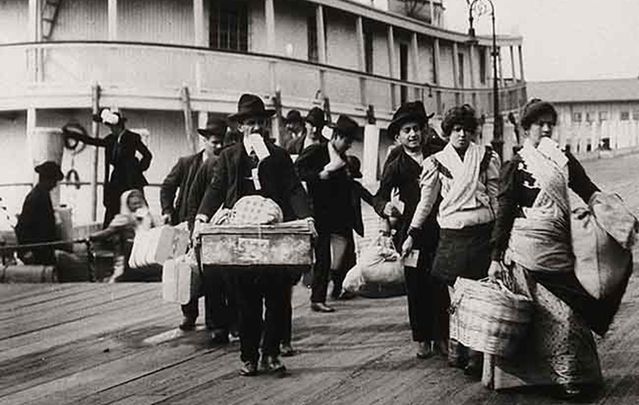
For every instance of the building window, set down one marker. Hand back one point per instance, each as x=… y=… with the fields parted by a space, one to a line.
x=603 y=115
x=576 y=117
x=625 y=116
x=635 y=115
x=482 y=65
x=311 y=35
x=588 y=117
x=229 y=25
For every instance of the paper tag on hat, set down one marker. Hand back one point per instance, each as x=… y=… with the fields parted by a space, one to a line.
x=257 y=144
x=411 y=259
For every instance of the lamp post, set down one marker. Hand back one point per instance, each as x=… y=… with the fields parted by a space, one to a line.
x=497 y=142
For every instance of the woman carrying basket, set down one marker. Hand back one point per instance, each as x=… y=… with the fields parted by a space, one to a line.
x=464 y=177
x=532 y=231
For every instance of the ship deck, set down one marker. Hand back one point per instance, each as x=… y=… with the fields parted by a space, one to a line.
x=118 y=344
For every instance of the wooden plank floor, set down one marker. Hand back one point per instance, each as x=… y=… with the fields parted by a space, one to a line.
x=118 y=344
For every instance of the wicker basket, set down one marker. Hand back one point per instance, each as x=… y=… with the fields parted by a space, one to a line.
x=486 y=316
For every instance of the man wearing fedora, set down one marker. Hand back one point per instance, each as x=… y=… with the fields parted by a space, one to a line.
x=256 y=166
x=175 y=210
x=37 y=224
x=182 y=175
x=324 y=169
x=120 y=148
x=427 y=299
x=314 y=122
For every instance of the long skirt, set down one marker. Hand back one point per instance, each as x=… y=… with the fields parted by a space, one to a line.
x=462 y=253
x=558 y=349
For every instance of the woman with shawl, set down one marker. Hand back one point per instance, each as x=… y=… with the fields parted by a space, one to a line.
x=460 y=182
x=532 y=234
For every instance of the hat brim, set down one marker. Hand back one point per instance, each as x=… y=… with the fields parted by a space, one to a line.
x=98 y=119
x=393 y=127
x=208 y=133
x=267 y=113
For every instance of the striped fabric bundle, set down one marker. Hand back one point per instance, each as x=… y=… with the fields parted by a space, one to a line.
x=488 y=317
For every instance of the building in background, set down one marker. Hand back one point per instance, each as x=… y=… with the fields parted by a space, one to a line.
x=166 y=64
x=594 y=115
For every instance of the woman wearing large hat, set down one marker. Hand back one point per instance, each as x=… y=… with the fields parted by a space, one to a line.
x=427 y=298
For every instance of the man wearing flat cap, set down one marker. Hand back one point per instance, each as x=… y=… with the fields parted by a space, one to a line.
x=256 y=166
x=37 y=224
x=120 y=149
x=175 y=210
x=427 y=298
x=314 y=122
x=324 y=169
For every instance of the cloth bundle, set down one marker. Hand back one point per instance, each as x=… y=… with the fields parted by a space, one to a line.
x=602 y=237
x=251 y=210
x=379 y=263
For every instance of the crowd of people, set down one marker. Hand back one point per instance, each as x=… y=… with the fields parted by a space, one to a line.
x=464 y=212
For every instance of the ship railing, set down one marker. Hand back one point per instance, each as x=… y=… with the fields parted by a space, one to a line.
x=147 y=75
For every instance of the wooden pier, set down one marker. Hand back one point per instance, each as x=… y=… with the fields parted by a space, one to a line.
x=119 y=344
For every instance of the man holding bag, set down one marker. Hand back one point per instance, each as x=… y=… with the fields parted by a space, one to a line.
x=255 y=166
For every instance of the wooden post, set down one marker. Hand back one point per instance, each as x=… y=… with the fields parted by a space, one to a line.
x=321 y=46
x=361 y=53
x=471 y=64
x=198 y=22
x=371 y=148
x=512 y=64
x=198 y=39
x=391 y=64
x=112 y=20
x=188 y=118
x=95 y=132
x=31 y=124
x=456 y=66
x=437 y=65
x=521 y=64
x=501 y=72
x=415 y=64
x=34 y=25
x=321 y=32
x=432 y=13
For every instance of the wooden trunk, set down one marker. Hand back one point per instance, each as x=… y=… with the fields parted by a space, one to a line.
x=286 y=245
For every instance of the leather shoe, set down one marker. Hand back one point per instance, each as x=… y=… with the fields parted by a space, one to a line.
x=219 y=338
x=187 y=324
x=286 y=350
x=248 y=369
x=423 y=350
x=272 y=365
x=321 y=307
